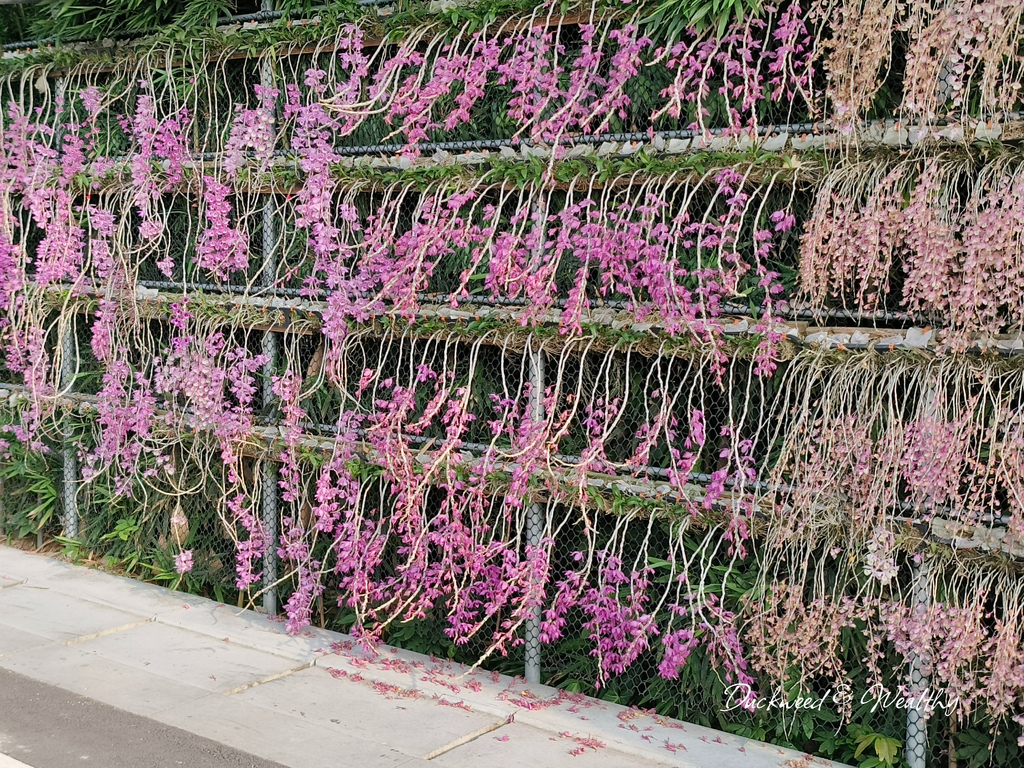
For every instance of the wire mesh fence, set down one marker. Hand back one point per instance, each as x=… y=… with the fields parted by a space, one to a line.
x=142 y=537
x=625 y=409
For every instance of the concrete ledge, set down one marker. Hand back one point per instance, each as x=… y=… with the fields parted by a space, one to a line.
x=236 y=677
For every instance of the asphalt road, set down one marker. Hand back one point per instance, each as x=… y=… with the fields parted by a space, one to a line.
x=46 y=727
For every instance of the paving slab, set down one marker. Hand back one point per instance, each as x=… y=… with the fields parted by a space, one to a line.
x=548 y=709
x=218 y=666
x=92 y=584
x=246 y=628
x=640 y=732
x=391 y=715
x=238 y=678
x=101 y=679
x=57 y=616
x=19 y=565
x=14 y=640
x=290 y=741
x=646 y=736
x=527 y=747
x=117 y=591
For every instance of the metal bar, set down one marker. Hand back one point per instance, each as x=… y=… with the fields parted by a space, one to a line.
x=86 y=404
x=860 y=318
x=69 y=484
x=535 y=516
x=644 y=477
x=268 y=477
x=269 y=469
x=566 y=141
x=535 y=521
x=441 y=309
x=916 y=749
x=464 y=145
x=68 y=369
x=917 y=718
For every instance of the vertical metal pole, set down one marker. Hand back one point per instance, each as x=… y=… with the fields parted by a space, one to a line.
x=268 y=475
x=68 y=368
x=269 y=469
x=70 y=479
x=917 y=719
x=535 y=518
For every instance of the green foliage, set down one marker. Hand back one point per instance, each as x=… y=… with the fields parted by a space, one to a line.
x=884 y=748
x=979 y=746
x=422 y=636
x=15 y=22
x=973 y=747
x=700 y=694
x=30 y=491
x=74 y=550
x=183 y=21
x=671 y=18
x=125 y=529
x=90 y=19
x=862 y=746
x=200 y=13
x=72 y=19
x=477 y=15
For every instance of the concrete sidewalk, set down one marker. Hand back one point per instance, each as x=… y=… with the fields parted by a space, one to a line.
x=317 y=699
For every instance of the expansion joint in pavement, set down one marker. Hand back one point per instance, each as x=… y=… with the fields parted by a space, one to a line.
x=110 y=631
x=271 y=678
x=468 y=738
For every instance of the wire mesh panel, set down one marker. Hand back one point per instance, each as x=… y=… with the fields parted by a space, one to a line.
x=489 y=341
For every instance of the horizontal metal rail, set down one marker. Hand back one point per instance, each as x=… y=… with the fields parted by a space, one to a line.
x=702 y=479
x=299 y=308
x=634 y=137
x=951 y=533
x=728 y=308
x=816 y=133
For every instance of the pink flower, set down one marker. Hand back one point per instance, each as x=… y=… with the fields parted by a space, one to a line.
x=183 y=561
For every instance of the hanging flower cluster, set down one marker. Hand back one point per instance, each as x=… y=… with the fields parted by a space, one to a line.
x=959 y=52
x=956 y=257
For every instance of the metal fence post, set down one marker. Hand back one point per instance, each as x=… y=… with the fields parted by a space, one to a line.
x=69 y=485
x=269 y=469
x=535 y=519
x=535 y=516
x=68 y=369
x=917 y=718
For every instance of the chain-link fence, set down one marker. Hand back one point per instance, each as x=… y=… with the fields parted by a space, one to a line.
x=606 y=385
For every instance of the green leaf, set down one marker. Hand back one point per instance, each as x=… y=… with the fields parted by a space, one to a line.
x=863 y=742
x=886 y=749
